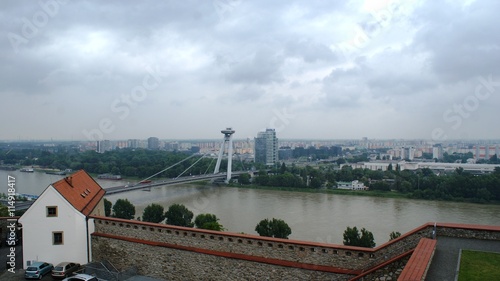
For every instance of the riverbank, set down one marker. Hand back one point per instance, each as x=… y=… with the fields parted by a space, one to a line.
x=366 y=193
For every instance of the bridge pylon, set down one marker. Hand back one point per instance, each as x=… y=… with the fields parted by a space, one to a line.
x=227 y=140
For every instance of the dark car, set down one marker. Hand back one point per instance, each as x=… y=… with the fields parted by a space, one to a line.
x=65 y=269
x=37 y=270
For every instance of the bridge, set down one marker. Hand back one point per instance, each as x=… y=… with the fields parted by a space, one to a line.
x=147 y=183
x=185 y=179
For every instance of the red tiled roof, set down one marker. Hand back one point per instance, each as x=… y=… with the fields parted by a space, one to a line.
x=81 y=191
x=416 y=267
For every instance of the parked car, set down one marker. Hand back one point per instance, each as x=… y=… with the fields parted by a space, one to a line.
x=37 y=270
x=65 y=269
x=81 y=277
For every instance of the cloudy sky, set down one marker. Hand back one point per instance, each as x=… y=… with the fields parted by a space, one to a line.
x=310 y=69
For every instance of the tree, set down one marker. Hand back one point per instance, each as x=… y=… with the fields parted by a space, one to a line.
x=4 y=211
x=123 y=209
x=244 y=178
x=153 y=213
x=208 y=221
x=179 y=215
x=393 y=235
x=107 y=207
x=352 y=237
x=366 y=239
x=273 y=228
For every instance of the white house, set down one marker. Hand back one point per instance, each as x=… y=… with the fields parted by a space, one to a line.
x=354 y=185
x=57 y=226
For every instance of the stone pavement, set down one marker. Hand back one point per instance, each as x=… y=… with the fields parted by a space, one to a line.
x=445 y=261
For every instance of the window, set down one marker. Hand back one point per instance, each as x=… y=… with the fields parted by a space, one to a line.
x=51 y=211
x=57 y=238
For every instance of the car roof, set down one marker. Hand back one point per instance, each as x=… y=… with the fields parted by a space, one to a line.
x=65 y=263
x=83 y=275
x=37 y=263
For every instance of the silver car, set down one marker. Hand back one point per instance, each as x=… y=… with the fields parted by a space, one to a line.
x=65 y=269
x=37 y=270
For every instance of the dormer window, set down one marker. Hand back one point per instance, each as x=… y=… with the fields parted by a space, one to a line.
x=51 y=211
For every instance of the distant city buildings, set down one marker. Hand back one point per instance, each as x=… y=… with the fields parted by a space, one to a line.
x=134 y=143
x=437 y=152
x=485 y=152
x=153 y=143
x=266 y=147
x=103 y=146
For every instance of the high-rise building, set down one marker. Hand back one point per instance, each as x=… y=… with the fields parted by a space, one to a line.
x=153 y=143
x=103 y=146
x=266 y=147
x=134 y=143
x=437 y=152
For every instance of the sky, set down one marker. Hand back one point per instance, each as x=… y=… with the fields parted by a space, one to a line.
x=381 y=69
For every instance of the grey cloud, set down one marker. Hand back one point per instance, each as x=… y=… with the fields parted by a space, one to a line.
x=463 y=42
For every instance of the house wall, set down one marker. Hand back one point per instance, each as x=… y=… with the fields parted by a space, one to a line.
x=38 y=231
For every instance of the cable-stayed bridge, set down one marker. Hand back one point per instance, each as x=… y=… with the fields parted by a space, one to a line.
x=185 y=179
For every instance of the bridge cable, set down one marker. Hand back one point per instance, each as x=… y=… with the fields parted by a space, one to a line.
x=191 y=166
x=171 y=166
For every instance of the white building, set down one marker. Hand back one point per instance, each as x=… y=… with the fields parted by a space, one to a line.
x=57 y=227
x=354 y=185
x=266 y=147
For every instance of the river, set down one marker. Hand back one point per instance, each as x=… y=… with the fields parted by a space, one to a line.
x=311 y=216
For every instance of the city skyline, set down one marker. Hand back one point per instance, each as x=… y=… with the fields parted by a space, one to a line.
x=381 y=69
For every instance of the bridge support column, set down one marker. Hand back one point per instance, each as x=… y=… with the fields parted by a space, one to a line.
x=228 y=134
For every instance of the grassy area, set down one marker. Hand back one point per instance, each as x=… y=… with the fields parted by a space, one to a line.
x=479 y=266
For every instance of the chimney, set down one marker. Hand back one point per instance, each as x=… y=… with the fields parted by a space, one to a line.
x=69 y=180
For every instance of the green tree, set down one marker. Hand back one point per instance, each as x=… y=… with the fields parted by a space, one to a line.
x=273 y=228
x=179 y=215
x=244 y=178
x=352 y=237
x=366 y=239
x=393 y=235
x=107 y=207
x=153 y=213
x=123 y=209
x=208 y=221
x=4 y=211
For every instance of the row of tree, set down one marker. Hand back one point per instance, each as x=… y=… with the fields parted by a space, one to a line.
x=126 y=162
x=178 y=214
x=423 y=183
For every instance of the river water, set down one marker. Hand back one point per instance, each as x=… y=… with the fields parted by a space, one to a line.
x=311 y=216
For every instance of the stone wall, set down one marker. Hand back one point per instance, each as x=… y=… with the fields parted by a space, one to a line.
x=468 y=231
x=172 y=264
x=179 y=253
x=329 y=255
